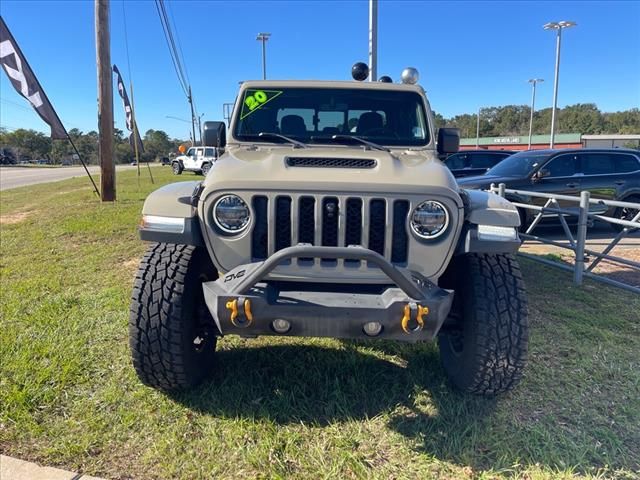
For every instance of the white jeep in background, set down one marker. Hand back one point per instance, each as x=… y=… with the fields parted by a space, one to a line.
x=197 y=159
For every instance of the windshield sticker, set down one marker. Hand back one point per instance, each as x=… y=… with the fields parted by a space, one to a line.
x=255 y=99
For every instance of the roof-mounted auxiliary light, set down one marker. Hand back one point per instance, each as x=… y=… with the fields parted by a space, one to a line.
x=360 y=71
x=385 y=79
x=410 y=75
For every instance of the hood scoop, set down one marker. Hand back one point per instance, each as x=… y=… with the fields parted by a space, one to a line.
x=330 y=162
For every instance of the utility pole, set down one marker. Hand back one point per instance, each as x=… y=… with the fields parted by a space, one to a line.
x=558 y=26
x=105 y=102
x=533 y=83
x=373 y=40
x=263 y=37
x=193 y=118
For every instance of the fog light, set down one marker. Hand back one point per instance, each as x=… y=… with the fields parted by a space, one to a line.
x=280 y=325
x=372 y=329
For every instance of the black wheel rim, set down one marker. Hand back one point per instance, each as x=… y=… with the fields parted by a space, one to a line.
x=628 y=213
x=456 y=341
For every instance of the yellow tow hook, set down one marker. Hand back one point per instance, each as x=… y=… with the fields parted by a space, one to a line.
x=232 y=306
x=406 y=318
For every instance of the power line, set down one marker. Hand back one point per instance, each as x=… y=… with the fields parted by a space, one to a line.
x=173 y=51
x=173 y=21
x=126 y=39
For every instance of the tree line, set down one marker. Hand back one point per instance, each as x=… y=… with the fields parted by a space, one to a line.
x=30 y=145
x=508 y=120
x=584 y=118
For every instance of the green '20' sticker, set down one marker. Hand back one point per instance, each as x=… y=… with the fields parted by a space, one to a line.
x=255 y=99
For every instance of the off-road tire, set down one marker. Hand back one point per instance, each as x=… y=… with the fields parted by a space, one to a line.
x=205 y=168
x=483 y=345
x=171 y=333
x=176 y=168
x=625 y=213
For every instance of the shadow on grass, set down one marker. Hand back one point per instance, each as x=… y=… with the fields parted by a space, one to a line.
x=319 y=386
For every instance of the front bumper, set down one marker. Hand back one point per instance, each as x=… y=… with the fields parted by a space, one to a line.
x=411 y=310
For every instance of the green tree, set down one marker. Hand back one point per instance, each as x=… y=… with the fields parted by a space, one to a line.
x=28 y=142
x=156 y=144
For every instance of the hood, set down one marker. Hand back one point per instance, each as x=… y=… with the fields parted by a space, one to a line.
x=483 y=181
x=253 y=167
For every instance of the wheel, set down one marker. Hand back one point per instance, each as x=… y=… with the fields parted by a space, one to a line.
x=171 y=333
x=177 y=168
x=205 y=168
x=483 y=344
x=626 y=213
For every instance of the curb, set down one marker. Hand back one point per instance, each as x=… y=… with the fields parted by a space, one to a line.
x=16 y=469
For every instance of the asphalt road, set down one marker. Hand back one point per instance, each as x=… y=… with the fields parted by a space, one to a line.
x=13 y=177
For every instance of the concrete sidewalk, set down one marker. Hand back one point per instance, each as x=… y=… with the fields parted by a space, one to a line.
x=14 y=469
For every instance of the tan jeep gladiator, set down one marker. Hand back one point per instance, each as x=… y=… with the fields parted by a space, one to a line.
x=330 y=214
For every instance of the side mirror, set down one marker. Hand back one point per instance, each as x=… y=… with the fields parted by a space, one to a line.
x=448 y=140
x=540 y=174
x=214 y=134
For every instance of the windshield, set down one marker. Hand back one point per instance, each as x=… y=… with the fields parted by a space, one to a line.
x=314 y=115
x=519 y=165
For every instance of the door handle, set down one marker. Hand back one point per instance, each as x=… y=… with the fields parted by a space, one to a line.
x=572 y=185
x=619 y=182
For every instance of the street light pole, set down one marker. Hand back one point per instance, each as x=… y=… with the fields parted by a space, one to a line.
x=373 y=40
x=533 y=82
x=558 y=26
x=478 y=128
x=263 y=37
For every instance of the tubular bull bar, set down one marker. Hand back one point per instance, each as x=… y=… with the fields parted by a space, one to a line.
x=242 y=303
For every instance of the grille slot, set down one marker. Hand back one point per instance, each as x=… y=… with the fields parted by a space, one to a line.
x=322 y=162
x=330 y=216
x=259 y=236
x=306 y=223
x=353 y=227
x=377 y=225
x=283 y=223
x=399 y=241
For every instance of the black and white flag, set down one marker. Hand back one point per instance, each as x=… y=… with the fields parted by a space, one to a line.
x=25 y=82
x=128 y=113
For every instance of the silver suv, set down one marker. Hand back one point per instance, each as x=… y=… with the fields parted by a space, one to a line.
x=329 y=214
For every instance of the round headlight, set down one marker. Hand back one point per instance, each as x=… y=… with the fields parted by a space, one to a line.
x=429 y=220
x=231 y=214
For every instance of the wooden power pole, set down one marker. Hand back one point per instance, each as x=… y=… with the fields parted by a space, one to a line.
x=105 y=102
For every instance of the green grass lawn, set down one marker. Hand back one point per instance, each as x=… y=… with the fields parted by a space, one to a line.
x=288 y=408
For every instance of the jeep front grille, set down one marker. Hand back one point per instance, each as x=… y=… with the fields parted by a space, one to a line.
x=375 y=223
x=328 y=162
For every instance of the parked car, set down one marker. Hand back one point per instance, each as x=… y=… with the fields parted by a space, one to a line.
x=197 y=159
x=165 y=161
x=474 y=162
x=611 y=174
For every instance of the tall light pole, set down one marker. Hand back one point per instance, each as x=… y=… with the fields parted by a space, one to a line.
x=373 y=40
x=478 y=128
x=558 y=26
x=533 y=82
x=263 y=37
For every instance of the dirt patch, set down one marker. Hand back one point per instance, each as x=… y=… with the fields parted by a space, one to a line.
x=606 y=268
x=14 y=218
x=131 y=265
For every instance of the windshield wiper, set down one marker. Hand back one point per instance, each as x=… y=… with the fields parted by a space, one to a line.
x=295 y=143
x=356 y=139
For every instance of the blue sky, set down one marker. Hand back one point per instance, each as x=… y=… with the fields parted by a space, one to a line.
x=469 y=54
